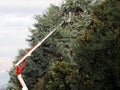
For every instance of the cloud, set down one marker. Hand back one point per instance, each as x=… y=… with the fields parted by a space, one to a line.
x=13 y=33
x=5 y=64
x=28 y=3
x=16 y=17
x=11 y=20
x=11 y=42
x=4 y=78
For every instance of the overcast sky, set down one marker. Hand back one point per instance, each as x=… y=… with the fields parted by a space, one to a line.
x=16 y=16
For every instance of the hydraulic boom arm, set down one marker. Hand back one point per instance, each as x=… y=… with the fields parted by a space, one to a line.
x=34 y=48
x=20 y=68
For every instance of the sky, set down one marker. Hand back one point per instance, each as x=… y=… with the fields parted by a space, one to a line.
x=16 y=16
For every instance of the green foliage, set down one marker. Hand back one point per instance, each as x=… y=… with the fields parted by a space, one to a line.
x=40 y=84
x=62 y=76
x=81 y=56
x=96 y=51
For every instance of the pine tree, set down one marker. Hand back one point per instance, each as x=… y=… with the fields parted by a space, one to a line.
x=65 y=40
x=93 y=54
x=97 y=47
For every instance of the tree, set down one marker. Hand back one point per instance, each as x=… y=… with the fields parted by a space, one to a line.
x=79 y=56
x=65 y=39
x=61 y=76
x=96 y=51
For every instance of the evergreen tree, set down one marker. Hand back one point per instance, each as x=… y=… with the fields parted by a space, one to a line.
x=97 y=47
x=38 y=62
x=65 y=40
x=81 y=55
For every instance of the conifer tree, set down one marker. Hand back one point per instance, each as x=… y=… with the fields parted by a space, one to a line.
x=97 y=48
x=93 y=54
x=39 y=61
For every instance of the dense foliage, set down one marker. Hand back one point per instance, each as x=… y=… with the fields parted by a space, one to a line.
x=98 y=48
x=84 y=55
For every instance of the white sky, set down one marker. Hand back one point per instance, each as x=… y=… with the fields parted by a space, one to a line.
x=16 y=16
x=27 y=3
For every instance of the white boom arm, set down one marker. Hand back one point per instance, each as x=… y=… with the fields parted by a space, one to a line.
x=34 y=48
x=24 y=87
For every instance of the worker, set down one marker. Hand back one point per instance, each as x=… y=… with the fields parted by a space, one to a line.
x=67 y=16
